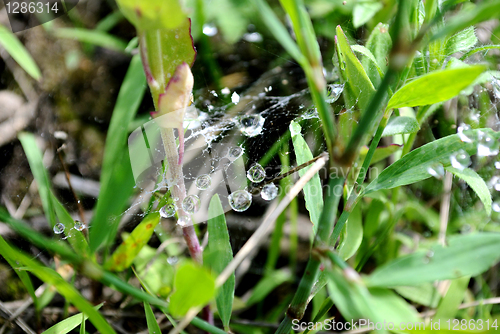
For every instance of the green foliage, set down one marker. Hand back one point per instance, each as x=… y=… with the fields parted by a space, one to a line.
x=401 y=125
x=19 y=53
x=153 y=14
x=67 y=325
x=153 y=326
x=96 y=37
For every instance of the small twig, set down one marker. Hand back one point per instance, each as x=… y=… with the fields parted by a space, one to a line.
x=20 y=322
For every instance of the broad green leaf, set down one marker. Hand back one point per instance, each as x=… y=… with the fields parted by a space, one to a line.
x=413 y=166
x=153 y=14
x=461 y=41
x=358 y=86
x=364 y=11
x=193 y=286
x=312 y=191
x=465 y=255
x=388 y=305
x=381 y=152
x=425 y=294
x=67 y=325
x=379 y=43
x=267 y=284
x=19 y=53
x=51 y=277
x=116 y=174
x=401 y=125
x=435 y=87
x=448 y=306
x=153 y=326
x=38 y=169
x=217 y=256
x=95 y=37
x=476 y=183
x=352 y=235
x=125 y=254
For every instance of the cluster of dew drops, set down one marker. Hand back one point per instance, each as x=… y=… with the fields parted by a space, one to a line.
x=59 y=227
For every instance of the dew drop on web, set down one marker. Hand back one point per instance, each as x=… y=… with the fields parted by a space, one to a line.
x=436 y=170
x=191 y=204
x=486 y=145
x=256 y=173
x=334 y=91
x=460 y=131
x=58 y=228
x=203 y=182
x=79 y=226
x=167 y=211
x=183 y=221
x=240 y=200
x=460 y=160
x=235 y=152
x=251 y=125
x=172 y=260
x=269 y=192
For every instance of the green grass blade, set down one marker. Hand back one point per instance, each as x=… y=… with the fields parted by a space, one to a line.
x=465 y=255
x=401 y=125
x=95 y=37
x=153 y=326
x=313 y=193
x=413 y=166
x=109 y=21
x=116 y=175
x=369 y=55
x=267 y=284
x=125 y=254
x=19 y=53
x=38 y=169
x=449 y=304
x=67 y=325
x=64 y=288
x=352 y=234
x=435 y=87
x=82 y=326
x=476 y=183
x=479 y=49
x=217 y=256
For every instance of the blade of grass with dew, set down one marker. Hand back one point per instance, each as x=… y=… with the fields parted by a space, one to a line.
x=95 y=37
x=465 y=255
x=116 y=174
x=19 y=53
x=476 y=183
x=312 y=191
x=67 y=325
x=413 y=166
x=35 y=160
x=435 y=87
x=125 y=254
x=153 y=326
x=64 y=288
x=218 y=255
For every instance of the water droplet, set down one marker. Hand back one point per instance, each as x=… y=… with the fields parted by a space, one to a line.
x=225 y=91
x=436 y=170
x=497 y=164
x=172 y=260
x=253 y=37
x=175 y=199
x=494 y=183
x=235 y=152
x=184 y=221
x=203 y=182
x=59 y=228
x=240 y=200
x=460 y=131
x=191 y=204
x=251 y=125
x=209 y=29
x=167 y=211
x=310 y=113
x=495 y=83
x=269 y=192
x=460 y=160
x=496 y=206
x=235 y=98
x=79 y=226
x=334 y=91
x=256 y=173
x=486 y=145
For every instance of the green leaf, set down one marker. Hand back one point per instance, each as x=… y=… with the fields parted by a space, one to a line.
x=358 y=87
x=401 y=125
x=217 y=256
x=312 y=191
x=379 y=43
x=193 y=286
x=364 y=11
x=116 y=174
x=381 y=152
x=125 y=254
x=267 y=284
x=352 y=235
x=465 y=255
x=229 y=17
x=95 y=37
x=476 y=183
x=153 y=326
x=368 y=55
x=461 y=41
x=449 y=304
x=153 y=14
x=413 y=166
x=51 y=277
x=19 y=53
x=38 y=169
x=479 y=49
x=424 y=294
x=67 y=325
x=435 y=87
